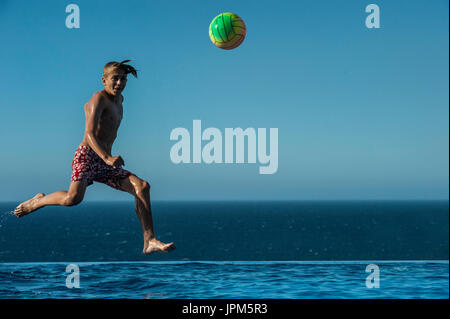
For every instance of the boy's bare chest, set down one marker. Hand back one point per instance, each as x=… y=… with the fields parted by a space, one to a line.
x=112 y=116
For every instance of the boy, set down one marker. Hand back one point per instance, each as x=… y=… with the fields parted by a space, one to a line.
x=93 y=160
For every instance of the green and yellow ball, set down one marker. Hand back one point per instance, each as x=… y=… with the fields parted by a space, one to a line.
x=227 y=31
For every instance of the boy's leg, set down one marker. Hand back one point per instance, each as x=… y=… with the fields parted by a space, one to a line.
x=140 y=189
x=73 y=196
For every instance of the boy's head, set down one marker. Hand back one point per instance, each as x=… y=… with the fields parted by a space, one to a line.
x=115 y=76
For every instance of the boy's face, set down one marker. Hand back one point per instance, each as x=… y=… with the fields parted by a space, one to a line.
x=115 y=82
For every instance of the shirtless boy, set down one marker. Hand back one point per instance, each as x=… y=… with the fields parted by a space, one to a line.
x=93 y=160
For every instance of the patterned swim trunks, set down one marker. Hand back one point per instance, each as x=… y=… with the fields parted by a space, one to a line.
x=87 y=165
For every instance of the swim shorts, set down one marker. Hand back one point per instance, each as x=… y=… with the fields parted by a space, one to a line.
x=87 y=165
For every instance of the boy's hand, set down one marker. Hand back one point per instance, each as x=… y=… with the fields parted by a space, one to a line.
x=115 y=161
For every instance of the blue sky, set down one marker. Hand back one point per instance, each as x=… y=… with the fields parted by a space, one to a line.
x=361 y=113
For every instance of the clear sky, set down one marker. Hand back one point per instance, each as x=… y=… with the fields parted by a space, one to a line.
x=361 y=113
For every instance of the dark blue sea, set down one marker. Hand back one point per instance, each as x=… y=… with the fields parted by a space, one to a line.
x=291 y=250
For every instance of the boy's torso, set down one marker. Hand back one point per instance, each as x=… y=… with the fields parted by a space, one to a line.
x=108 y=125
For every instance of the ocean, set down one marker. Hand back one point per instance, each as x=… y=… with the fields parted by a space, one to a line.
x=265 y=249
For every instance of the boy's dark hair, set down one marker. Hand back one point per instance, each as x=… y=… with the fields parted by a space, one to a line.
x=112 y=66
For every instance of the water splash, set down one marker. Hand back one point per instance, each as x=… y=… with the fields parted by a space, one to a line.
x=4 y=216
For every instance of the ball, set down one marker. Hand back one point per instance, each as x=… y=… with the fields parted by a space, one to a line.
x=227 y=31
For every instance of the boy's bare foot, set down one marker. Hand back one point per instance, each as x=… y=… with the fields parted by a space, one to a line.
x=155 y=246
x=28 y=206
